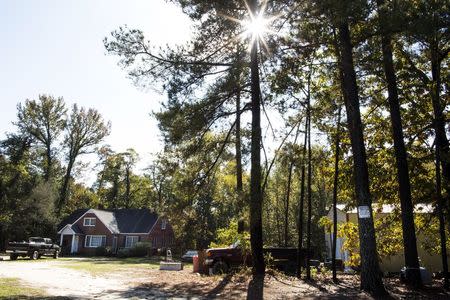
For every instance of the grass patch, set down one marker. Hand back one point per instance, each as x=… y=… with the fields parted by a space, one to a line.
x=12 y=288
x=99 y=266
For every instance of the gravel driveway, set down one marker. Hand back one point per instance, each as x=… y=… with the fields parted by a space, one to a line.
x=50 y=276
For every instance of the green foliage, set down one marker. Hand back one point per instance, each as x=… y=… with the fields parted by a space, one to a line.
x=428 y=229
x=118 y=186
x=326 y=223
x=43 y=120
x=140 y=249
x=229 y=235
x=269 y=260
x=349 y=231
x=103 y=251
x=34 y=214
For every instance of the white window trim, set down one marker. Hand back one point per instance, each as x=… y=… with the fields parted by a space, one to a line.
x=90 y=221
x=132 y=237
x=92 y=235
x=163 y=224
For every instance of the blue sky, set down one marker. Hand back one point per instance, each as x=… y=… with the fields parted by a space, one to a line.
x=55 y=47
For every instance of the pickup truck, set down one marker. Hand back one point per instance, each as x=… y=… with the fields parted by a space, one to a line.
x=221 y=260
x=34 y=248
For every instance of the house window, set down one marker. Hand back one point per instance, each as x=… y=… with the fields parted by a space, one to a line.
x=130 y=241
x=94 y=241
x=89 y=222
x=163 y=224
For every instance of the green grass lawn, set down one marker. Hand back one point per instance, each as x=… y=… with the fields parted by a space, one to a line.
x=12 y=288
x=99 y=266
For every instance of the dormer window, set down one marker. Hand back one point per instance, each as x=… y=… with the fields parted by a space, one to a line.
x=89 y=222
x=163 y=224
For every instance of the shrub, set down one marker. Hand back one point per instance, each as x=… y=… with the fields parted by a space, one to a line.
x=103 y=251
x=140 y=249
x=123 y=253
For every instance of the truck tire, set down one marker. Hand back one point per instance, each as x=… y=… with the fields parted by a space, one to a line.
x=13 y=257
x=220 y=267
x=56 y=254
x=34 y=255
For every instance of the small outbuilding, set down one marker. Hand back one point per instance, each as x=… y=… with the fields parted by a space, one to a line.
x=432 y=262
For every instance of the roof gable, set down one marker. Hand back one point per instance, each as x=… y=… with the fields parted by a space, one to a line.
x=72 y=218
x=107 y=218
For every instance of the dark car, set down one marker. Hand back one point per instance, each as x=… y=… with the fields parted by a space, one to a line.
x=34 y=248
x=189 y=255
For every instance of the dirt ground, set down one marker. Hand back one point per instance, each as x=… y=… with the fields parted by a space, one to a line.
x=59 y=279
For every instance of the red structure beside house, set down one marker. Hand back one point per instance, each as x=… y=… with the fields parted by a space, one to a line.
x=86 y=229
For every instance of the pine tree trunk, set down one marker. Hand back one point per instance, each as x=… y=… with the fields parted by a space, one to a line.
x=241 y=203
x=407 y=208
x=288 y=195
x=301 y=205
x=48 y=167
x=335 y=189
x=370 y=270
x=127 y=188
x=279 y=234
x=440 y=212
x=286 y=206
x=65 y=187
x=442 y=149
x=256 y=196
x=239 y=185
x=439 y=122
x=309 y=199
x=238 y=144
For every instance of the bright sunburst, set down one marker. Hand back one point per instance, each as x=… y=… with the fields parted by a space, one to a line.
x=256 y=27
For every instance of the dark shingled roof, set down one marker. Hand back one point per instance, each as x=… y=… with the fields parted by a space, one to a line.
x=135 y=220
x=72 y=218
x=76 y=229
x=119 y=220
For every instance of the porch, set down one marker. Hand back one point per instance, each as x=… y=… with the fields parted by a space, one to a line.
x=70 y=239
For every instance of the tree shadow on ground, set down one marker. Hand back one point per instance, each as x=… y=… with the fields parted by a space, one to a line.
x=401 y=291
x=322 y=289
x=203 y=290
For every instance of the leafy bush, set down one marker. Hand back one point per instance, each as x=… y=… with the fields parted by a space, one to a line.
x=123 y=253
x=103 y=251
x=228 y=236
x=268 y=260
x=139 y=250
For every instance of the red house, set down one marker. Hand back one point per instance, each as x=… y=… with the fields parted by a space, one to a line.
x=86 y=229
